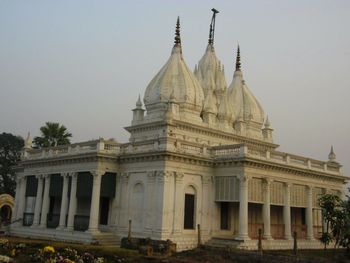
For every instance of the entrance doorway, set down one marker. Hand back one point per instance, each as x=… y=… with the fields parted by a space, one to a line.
x=104 y=210
x=224 y=216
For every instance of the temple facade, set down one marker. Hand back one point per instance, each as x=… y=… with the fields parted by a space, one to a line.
x=201 y=155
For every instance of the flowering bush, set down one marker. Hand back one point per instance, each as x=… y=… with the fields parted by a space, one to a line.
x=6 y=259
x=49 y=255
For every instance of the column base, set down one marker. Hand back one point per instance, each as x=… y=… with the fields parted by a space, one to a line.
x=93 y=231
x=310 y=238
x=288 y=237
x=267 y=237
x=69 y=228
x=242 y=237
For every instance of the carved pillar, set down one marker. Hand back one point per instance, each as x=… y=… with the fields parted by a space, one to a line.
x=95 y=201
x=308 y=214
x=38 y=200
x=168 y=202
x=286 y=212
x=72 y=201
x=266 y=210
x=243 y=209
x=64 y=201
x=178 y=205
x=46 y=201
x=21 y=198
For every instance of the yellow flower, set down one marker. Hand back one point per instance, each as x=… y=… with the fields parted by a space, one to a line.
x=13 y=252
x=49 y=249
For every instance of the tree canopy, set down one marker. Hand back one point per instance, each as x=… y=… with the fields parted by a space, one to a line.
x=52 y=134
x=10 y=155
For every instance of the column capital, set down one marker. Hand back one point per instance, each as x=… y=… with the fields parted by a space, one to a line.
x=73 y=174
x=243 y=179
x=268 y=181
x=97 y=173
x=44 y=176
x=206 y=180
x=179 y=176
x=125 y=177
x=287 y=185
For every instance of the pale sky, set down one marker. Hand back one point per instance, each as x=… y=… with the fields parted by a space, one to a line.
x=83 y=63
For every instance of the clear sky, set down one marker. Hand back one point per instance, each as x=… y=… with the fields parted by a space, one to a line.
x=83 y=63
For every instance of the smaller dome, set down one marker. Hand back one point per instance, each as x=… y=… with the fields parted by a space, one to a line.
x=241 y=99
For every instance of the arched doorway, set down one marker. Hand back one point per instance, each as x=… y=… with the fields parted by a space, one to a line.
x=6 y=208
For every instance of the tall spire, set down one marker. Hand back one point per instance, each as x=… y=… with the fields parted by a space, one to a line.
x=238 y=59
x=212 y=27
x=331 y=155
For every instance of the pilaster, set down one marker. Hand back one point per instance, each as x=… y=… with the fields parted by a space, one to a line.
x=178 y=204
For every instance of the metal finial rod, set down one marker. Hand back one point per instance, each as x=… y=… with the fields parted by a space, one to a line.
x=212 y=27
x=238 y=59
x=177 y=32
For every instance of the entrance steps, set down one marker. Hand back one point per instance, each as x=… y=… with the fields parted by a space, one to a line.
x=222 y=242
x=107 y=239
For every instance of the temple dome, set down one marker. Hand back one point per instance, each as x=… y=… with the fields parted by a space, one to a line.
x=175 y=79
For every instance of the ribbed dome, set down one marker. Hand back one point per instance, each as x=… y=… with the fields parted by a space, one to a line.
x=175 y=77
x=242 y=101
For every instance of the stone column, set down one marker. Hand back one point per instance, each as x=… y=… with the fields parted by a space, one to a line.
x=46 y=202
x=286 y=213
x=178 y=204
x=95 y=201
x=72 y=201
x=308 y=214
x=21 y=199
x=266 y=210
x=243 y=209
x=64 y=201
x=38 y=201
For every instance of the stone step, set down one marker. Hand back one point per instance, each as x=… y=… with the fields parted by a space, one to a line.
x=222 y=243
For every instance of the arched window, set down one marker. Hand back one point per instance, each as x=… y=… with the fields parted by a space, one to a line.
x=189 y=215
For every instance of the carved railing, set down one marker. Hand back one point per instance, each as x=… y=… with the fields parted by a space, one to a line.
x=100 y=146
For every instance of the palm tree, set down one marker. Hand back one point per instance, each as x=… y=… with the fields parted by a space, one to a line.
x=52 y=134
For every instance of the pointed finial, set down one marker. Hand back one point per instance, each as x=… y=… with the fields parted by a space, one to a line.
x=212 y=27
x=267 y=122
x=331 y=155
x=210 y=40
x=177 y=32
x=28 y=142
x=139 y=103
x=238 y=59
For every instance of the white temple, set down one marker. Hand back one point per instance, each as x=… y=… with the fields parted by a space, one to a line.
x=201 y=152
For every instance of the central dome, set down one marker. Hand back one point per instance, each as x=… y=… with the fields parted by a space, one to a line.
x=175 y=80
